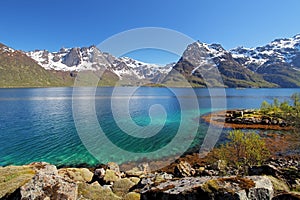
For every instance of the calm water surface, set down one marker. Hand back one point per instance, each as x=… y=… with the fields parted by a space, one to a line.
x=37 y=124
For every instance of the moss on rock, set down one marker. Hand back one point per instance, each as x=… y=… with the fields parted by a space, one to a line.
x=95 y=192
x=13 y=177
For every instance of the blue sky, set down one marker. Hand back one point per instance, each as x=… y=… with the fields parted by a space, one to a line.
x=52 y=24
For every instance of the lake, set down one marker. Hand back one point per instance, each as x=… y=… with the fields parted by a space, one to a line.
x=65 y=128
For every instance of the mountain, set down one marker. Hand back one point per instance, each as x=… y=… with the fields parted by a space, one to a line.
x=18 y=70
x=127 y=70
x=204 y=65
x=278 y=62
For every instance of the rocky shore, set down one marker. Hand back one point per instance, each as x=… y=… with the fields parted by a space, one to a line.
x=276 y=179
x=245 y=119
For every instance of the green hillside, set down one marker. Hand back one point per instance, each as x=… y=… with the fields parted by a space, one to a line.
x=18 y=70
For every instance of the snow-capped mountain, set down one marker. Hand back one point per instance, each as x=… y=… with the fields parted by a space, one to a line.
x=278 y=62
x=210 y=65
x=285 y=51
x=91 y=58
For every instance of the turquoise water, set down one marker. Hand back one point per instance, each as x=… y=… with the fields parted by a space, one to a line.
x=37 y=124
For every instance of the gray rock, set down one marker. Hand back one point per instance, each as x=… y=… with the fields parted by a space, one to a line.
x=184 y=188
x=47 y=184
x=263 y=188
x=252 y=187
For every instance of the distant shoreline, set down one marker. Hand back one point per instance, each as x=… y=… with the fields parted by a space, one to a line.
x=152 y=86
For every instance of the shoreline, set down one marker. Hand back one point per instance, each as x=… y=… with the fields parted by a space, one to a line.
x=217 y=118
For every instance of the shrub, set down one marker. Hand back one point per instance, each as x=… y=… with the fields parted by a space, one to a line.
x=243 y=149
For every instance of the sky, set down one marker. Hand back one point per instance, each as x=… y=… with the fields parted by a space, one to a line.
x=52 y=24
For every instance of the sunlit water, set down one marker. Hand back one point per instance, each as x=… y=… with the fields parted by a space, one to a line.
x=37 y=124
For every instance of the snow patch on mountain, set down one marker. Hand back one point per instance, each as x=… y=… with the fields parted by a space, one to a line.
x=6 y=49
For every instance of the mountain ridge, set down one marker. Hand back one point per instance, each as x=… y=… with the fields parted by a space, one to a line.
x=276 y=64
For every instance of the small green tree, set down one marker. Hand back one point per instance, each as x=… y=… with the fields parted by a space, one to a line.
x=243 y=149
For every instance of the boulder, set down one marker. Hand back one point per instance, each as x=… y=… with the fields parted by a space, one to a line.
x=47 y=184
x=263 y=188
x=76 y=174
x=184 y=169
